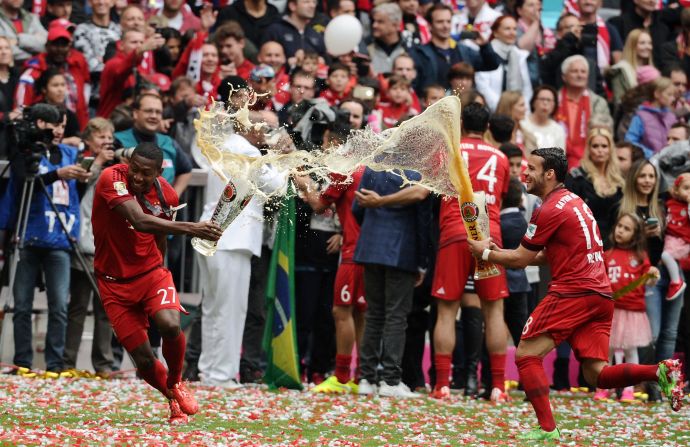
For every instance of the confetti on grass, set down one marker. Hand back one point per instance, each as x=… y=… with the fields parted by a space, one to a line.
x=80 y=412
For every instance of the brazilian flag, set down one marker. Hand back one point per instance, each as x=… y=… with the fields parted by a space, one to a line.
x=280 y=339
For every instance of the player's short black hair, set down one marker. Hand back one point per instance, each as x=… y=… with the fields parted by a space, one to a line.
x=501 y=128
x=475 y=117
x=151 y=151
x=514 y=195
x=554 y=158
x=510 y=150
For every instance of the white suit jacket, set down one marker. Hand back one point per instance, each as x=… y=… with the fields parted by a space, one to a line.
x=490 y=83
x=245 y=233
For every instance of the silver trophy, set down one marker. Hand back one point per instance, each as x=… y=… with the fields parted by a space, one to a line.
x=231 y=203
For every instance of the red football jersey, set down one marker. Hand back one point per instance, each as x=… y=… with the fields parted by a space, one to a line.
x=121 y=251
x=490 y=172
x=678 y=223
x=342 y=193
x=565 y=226
x=624 y=268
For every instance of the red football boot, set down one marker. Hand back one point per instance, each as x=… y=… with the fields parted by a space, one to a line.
x=177 y=416
x=185 y=398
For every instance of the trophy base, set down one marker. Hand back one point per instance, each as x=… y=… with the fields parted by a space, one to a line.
x=204 y=247
x=486 y=270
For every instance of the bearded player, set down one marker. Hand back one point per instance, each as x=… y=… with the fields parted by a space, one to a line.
x=578 y=306
x=133 y=212
x=489 y=170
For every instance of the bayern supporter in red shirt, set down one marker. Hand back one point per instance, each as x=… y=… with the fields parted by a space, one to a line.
x=577 y=307
x=133 y=212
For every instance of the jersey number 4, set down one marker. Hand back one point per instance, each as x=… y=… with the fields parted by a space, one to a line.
x=164 y=292
x=585 y=228
x=487 y=174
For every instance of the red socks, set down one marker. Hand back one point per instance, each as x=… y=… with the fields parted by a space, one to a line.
x=442 y=363
x=536 y=387
x=498 y=370
x=342 y=367
x=173 y=352
x=156 y=377
x=626 y=374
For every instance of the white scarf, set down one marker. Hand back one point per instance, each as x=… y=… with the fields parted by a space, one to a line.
x=510 y=54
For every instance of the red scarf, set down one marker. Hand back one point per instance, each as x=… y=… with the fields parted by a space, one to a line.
x=603 y=37
x=575 y=141
x=422 y=26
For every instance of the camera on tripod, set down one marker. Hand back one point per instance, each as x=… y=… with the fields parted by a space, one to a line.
x=31 y=140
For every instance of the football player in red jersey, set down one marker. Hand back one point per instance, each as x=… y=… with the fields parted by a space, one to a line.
x=133 y=211
x=578 y=306
x=489 y=170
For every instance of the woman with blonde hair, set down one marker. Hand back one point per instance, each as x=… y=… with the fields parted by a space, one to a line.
x=636 y=53
x=653 y=119
x=512 y=104
x=598 y=180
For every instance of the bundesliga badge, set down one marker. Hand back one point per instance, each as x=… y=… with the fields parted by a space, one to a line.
x=120 y=188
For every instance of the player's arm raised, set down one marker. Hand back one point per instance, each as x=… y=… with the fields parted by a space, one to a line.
x=521 y=257
x=146 y=223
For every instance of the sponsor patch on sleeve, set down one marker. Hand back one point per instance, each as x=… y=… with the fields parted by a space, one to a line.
x=120 y=188
x=531 y=229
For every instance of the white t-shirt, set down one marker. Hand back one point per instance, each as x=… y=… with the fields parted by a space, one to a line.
x=551 y=135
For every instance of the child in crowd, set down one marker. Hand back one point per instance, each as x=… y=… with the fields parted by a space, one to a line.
x=399 y=104
x=677 y=240
x=311 y=64
x=339 y=85
x=626 y=262
x=433 y=93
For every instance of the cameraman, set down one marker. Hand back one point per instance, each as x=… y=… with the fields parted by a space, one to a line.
x=46 y=245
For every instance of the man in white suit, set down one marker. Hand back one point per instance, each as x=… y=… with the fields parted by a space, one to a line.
x=225 y=275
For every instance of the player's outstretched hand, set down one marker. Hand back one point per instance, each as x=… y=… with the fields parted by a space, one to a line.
x=206 y=230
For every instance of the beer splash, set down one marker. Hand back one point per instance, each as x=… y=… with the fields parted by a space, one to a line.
x=428 y=144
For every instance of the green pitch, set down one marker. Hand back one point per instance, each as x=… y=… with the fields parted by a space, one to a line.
x=127 y=412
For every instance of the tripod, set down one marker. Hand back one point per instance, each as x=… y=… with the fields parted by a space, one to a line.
x=19 y=237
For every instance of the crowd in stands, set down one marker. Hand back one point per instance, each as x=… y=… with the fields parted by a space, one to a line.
x=613 y=94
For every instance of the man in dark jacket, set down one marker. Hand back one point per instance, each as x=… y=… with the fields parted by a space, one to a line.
x=294 y=32
x=254 y=16
x=434 y=59
x=393 y=248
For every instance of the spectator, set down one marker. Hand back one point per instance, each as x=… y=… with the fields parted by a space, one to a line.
x=225 y=276
x=56 y=9
x=512 y=104
x=637 y=52
x=262 y=81
x=229 y=39
x=477 y=16
x=653 y=119
x=24 y=30
x=132 y=18
x=254 y=16
x=166 y=57
x=512 y=74
x=399 y=106
x=434 y=59
x=51 y=86
x=185 y=103
x=568 y=35
x=98 y=141
x=294 y=32
x=340 y=7
x=46 y=245
x=339 y=85
x=627 y=154
x=179 y=16
x=576 y=105
x=301 y=88
x=119 y=72
x=207 y=85
x=532 y=36
x=647 y=14
x=390 y=277
x=598 y=180
x=680 y=104
x=461 y=77
x=59 y=54
x=403 y=66
x=9 y=77
x=540 y=123
x=147 y=112
x=609 y=43
x=387 y=44
x=356 y=110
x=414 y=28
x=272 y=54
x=633 y=98
x=93 y=37
x=677 y=132
x=674 y=52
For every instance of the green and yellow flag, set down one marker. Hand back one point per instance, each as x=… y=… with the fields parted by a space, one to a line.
x=280 y=339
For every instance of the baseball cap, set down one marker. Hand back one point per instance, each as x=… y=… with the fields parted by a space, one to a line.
x=262 y=71
x=159 y=80
x=60 y=29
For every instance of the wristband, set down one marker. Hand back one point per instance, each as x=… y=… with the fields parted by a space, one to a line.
x=485 y=254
